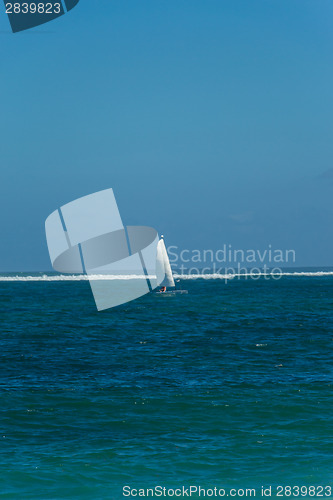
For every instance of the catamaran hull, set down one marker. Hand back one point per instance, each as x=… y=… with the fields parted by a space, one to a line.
x=172 y=292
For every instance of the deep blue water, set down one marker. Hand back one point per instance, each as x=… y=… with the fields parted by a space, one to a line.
x=228 y=386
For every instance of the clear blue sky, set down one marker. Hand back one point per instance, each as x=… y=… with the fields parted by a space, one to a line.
x=212 y=120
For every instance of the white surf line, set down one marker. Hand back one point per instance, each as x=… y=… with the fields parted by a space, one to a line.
x=237 y=275
x=81 y=277
x=84 y=277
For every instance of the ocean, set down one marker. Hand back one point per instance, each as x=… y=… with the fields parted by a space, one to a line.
x=228 y=387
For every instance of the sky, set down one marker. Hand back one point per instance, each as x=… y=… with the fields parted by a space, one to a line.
x=211 y=120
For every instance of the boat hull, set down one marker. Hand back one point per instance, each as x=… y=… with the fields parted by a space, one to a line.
x=172 y=292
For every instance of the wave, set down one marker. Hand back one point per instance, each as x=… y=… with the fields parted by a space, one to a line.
x=254 y=275
x=95 y=277
x=71 y=277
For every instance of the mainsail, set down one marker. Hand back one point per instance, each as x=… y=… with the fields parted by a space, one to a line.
x=163 y=268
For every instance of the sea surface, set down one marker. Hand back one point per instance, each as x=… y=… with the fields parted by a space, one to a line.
x=229 y=386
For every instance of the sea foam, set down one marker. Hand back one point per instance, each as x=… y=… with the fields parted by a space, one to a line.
x=94 y=277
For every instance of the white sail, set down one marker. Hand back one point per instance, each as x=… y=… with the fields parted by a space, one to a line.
x=160 y=272
x=163 y=268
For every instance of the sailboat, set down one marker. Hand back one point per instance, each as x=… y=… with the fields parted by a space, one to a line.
x=164 y=272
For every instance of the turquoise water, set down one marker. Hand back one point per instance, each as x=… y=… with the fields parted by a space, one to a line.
x=228 y=386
